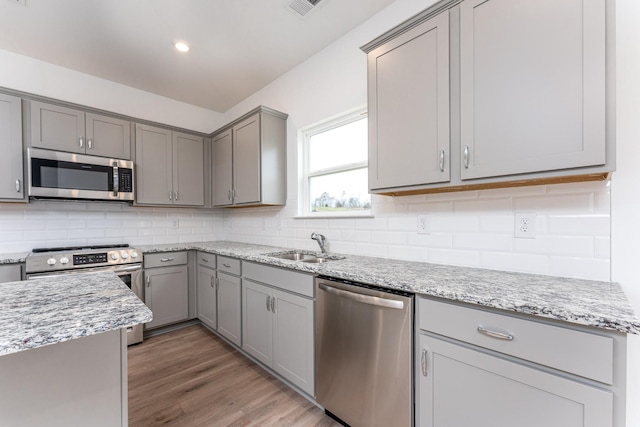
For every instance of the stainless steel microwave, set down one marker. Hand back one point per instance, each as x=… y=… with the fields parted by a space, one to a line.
x=77 y=176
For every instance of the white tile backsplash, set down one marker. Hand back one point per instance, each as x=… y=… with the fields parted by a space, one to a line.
x=474 y=229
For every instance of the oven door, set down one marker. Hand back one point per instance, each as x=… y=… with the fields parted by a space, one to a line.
x=76 y=176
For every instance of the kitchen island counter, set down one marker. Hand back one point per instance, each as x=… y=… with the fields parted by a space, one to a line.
x=52 y=310
x=584 y=302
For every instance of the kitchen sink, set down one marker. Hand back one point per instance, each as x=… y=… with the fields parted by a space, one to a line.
x=307 y=257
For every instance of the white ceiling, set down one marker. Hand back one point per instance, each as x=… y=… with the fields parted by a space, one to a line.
x=237 y=46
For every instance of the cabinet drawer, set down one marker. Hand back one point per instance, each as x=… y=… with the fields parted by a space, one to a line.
x=206 y=260
x=165 y=259
x=229 y=265
x=288 y=280
x=580 y=353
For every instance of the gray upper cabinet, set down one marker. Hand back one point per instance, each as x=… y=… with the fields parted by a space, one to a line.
x=66 y=129
x=249 y=160
x=169 y=167
x=408 y=97
x=11 y=169
x=532 y=86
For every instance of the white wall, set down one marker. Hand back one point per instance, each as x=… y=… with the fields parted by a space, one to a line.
x=625 y=188
x=30 y=75
x=468 y=229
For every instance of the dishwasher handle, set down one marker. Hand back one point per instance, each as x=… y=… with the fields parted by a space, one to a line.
x=366 y=299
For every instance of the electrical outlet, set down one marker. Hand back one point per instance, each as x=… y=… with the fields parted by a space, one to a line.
x=525 y=225
x=175 y=223
x=424 y=224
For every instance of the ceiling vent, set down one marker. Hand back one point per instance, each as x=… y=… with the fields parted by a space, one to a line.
x=302 y=7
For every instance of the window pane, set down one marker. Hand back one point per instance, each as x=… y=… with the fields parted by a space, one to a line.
x=343 y=191
x=343 y=145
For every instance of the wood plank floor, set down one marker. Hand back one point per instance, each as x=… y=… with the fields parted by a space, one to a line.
x=190 y=377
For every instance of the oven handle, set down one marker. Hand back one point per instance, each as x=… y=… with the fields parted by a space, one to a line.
x=115 y=269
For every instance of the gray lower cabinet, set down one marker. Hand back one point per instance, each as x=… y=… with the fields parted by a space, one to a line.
x=169 y=167
x=408 y=101
x=66 y=129
x=249 y=160
x=277 y=325
x=10 y=273
x=207 y=296
x=481 y=367
x=166 y=290
x=230 y=307
x=11 y=169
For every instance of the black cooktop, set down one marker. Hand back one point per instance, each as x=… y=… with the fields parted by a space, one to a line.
x=79 y=248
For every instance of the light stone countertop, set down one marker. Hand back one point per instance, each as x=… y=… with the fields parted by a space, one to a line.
x=14 y=258
x=39 y=312
x=584 y=302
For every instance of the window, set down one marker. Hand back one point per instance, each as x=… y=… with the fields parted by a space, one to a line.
x=335 y=168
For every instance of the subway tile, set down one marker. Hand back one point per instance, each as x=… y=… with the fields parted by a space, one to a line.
x=404 y=223
x=342 y=224
x=389 y=237
x=488 y=242
x=371 y=224
x=431 y=208
x=523 y=263
x=582 y=225
x=373 y=250
x=602 y=247
x=433 y=240
x=533 y=190
x=458 y=195
x=578 y=187
x=482 y=206
x=581 y=268
x=453 y=224
x=501 y=224
x=456 y=257
x=407 y=253
x=556 y=245
x=561 y=203
x=356 y=236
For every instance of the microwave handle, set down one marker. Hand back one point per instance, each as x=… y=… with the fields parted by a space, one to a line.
x=116 y=179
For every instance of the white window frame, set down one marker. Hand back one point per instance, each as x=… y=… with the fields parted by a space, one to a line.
x=305 y=135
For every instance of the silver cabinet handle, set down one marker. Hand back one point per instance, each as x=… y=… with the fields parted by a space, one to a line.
x=366 y=299
x=229 y=195
x=441 y=161
x=235 y=194
x=268 y=303
x=166 y=259
x=17 y=185
x=273 y=304
x=205 y=259
x=170 y=195
x=89 y=143
x=81 y=142
x=175 y=195
x=466 y=156
x=495 y=334
x=217 y=283
x=423 y=362
x=213 y=282
x=148 y=281
x=227 y=265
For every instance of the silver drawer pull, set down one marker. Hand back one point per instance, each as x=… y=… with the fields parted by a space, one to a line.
x=495 y=334
x=205 y=259
x=81 y=142
x=227 y=265
x=423 y=362
x=166 y=259
x=17 y=185
x=465 y=156
x=441 y=161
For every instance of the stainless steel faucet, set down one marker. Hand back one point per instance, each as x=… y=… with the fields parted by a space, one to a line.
x=321 y=242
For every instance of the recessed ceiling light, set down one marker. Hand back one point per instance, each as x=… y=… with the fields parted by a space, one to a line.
x=181 y=46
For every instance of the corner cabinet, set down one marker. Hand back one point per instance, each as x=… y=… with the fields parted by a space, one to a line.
x=479 y=94
x=207 y=289
x=11 y=164
x=249 y=160
x=55 y=127
x=169 y=167
x=230 y=299
x=277 y=322
x=166 y=291
x=409 y=107
x=477 y=367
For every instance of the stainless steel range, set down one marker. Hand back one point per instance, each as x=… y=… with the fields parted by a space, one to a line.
x=126 y=262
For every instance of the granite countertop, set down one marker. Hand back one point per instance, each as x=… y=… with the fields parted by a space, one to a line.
x=14 y=258
x=39 y=312
x=585 y=302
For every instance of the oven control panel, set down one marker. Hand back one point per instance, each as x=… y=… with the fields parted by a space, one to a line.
x=63 y=260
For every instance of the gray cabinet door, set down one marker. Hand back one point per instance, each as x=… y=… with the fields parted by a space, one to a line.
x=11 y=169
x=10 y=273
x=230 y=308
x=222 y=169
x=293 y=340
x=246 y=161
x=167 y=295
x=532 y=86
x=108 y=136
x=207 y=297
x=188 y=170
x=57 y=128
x=153 y=166
x=464 y=387
x=409 y=107
x=257 y=322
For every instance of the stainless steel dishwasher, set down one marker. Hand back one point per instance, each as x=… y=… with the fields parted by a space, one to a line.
x=364 y=357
